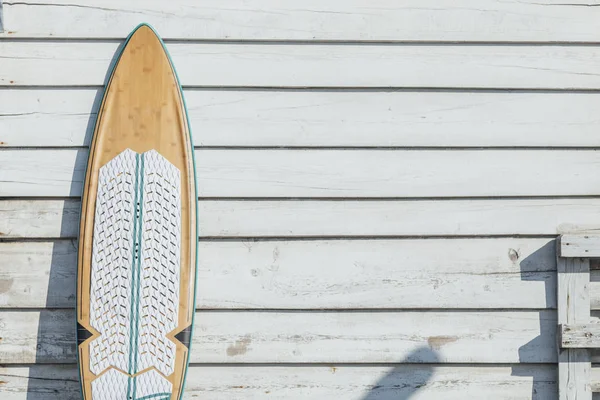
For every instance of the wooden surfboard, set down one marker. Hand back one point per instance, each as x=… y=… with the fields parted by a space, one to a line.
x=138 y=235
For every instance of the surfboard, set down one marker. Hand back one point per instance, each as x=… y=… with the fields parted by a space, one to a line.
x=138 y=233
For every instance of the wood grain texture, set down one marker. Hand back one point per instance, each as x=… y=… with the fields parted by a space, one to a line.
x=381 y=20
x=48 y=336
x=343 y=218
x=59 y=63
x=65 y=118
x=580 y=336
x=573 y=306
x=585 y=245
x=142 y=110
x=338 y=274
x=335 y=173
x=313 y=382
x=595 y=382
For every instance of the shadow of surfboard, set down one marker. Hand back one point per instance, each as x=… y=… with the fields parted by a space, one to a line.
x=403 y=381
x=58 y=313
x=535 y=267
x=1 y=17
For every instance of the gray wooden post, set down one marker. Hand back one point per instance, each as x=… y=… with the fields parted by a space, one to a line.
x=574 y=364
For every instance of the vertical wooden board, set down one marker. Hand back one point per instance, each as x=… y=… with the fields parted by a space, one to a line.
x=574 y=365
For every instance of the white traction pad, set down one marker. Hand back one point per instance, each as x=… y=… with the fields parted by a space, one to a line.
x=135 y=277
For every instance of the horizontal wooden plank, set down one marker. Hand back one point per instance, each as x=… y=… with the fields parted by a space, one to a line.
x=417 y=382
x=39 y=218
x=65 y=117
x=368 y=173
x=59 y=63
x=310 y=218
x=48 y=336
x=335 y=173
x=436 y=273
x=580 y=336
x=382 y=20
x=580 y=245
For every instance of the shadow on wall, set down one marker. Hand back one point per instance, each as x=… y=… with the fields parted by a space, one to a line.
x=403 y=381
x=58 y=316
x=540 y=266
x=1 y=18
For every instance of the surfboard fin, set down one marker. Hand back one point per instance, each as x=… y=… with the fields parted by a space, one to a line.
x=82 y=334
x=185 y=336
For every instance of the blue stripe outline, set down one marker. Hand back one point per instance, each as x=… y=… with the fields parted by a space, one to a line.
x=133 y=316
x=138 y=267
x=155 y=395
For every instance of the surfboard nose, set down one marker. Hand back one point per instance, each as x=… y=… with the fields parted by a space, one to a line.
x=145 y=91
x=144 y=26
x=143 y=35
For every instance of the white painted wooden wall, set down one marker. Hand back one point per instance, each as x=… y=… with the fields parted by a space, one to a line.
x=381 y=182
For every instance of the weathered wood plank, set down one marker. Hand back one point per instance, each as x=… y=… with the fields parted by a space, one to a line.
x=1 y=18
x=595 y=382
x=580 y=336
x=39 y=218
x=62 y=117
x=347 y=218
x=382 y=20
x=314 y=382
x=38 y=274
x=47 y=336
x=594 y=288
x=431 y=273
x=580 y=245
x=573 y=290
x=335 y=173
x=58 y=63
x=364 y=173
x=573 y=306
